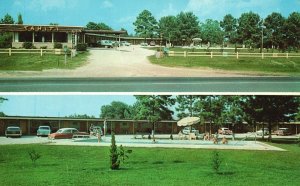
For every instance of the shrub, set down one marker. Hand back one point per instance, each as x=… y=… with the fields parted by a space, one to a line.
x=5 y=40
x=27 y=45
x=58 y=46
x=81 y=47
x=117 y=155
x=34 y=156
x=43 y=47
x=216 y=162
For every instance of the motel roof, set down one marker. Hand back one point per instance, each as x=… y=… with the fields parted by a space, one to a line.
x=53 y=28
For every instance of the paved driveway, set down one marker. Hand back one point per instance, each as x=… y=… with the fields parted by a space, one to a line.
x=125 y=62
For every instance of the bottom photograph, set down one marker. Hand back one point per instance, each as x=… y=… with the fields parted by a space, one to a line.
x=149 y=139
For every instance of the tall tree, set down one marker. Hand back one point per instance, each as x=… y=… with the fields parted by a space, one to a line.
x=229 y=25
x=154 y=108
x=116 y=110
x=20 y=19
x=249 y=29
x=126 y=34
x=146 y=25
x=211 y=32
x=168 y=28
x=275 y=30
x=97 y=26
x=292 y=30
x=82 y=116
x=274 y=109
x=1 y=101
x=211 y=109
x=186 y=105
x=188 y=26
x=8 y=19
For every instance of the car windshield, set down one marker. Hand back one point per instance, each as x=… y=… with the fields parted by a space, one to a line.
x=13 y=128
x=44 y=128
x=59 y=131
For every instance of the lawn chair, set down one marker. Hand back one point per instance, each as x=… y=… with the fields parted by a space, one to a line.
x=192 y=136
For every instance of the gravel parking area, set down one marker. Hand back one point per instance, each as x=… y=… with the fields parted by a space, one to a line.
x=129 y=141
x=127 y=61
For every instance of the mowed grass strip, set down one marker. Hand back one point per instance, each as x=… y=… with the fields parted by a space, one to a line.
x=75 y=165
x=35 y=62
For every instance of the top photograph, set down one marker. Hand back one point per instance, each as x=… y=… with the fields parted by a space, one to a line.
x=150 y=46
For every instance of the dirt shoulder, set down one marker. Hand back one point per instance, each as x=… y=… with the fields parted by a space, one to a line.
x=125 y=62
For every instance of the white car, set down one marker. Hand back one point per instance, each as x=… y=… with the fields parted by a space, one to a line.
x=187 y=130
x=261 y=132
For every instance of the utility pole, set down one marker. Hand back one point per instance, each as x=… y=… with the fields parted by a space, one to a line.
x=262 y=36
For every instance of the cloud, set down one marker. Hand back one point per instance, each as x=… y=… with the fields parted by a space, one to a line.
x=127 y=19
x=46 y=5
x=107 y=4
x=170 y=10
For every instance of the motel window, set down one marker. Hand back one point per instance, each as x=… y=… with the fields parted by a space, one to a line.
x=25 y=36
x=61 y=37
x=43 y=37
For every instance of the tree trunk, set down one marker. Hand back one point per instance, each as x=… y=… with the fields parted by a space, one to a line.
x=270 y=128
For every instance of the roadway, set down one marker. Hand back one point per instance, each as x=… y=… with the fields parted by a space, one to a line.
x=240 y=85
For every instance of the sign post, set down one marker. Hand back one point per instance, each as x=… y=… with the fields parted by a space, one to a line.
x=65 y=49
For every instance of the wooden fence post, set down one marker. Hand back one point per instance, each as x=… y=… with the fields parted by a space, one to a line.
x=262 y=55
x=184 y=54
x=211 y=54
x=237 y=55
x=287 y=55
x=41 y=52
x=9 y=51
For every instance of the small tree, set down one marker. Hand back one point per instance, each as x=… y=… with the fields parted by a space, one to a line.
x=216 y=161
x=34 y=156
x=114 y=162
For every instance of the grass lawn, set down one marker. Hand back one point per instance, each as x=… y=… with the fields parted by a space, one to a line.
x=268 y=66
x=75 y=165
x=34 y=62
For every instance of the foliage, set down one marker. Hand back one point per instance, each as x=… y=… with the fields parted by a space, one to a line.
x=33 y=155
x=292 y=30
x=27 y=45
x=58 y=46
x=54 y=24
x=20 y=20
x=229 y=25
x=97 y=26
x=216 y=161
x=146 y=25
x=126 y=34
x=211 y=32
x=186 y=105
x=168 y=28
x=8 y=19
x=117 y=155
x=249 y=29
x=81 y=47
x=274 y=24
x=116 y=110
x=83 y=116
x=5 y=40
x=188 y=25
x=153 y=108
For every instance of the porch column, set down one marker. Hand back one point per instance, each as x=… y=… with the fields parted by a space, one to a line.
x=83 y=38
x=119 y=40
x=76 y=38
x=52 y=37
x=32 y=37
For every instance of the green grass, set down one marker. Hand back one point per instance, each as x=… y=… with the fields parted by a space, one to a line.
x=74 y=165
x=34 y=62
x=267 y=66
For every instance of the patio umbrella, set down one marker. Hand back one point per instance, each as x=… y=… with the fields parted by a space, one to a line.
x=188 y=121
x=197 y=39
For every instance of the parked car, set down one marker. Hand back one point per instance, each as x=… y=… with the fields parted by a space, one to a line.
x=43 y=131
x=144 y=44
x=66 y=133
x=13 y=132
x=152 y=43
x=187 y=130
x=125 y=43
x=282 y=132
x=225 y=131
x=105 y=43
x=264 y=131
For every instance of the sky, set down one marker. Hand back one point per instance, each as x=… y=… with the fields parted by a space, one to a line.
x=122 y=13
x=59 y=105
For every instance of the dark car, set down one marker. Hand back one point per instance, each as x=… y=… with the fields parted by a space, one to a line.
x=13 y=132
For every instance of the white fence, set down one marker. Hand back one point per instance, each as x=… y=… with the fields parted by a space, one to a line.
x=236 y=55
x=41 y=52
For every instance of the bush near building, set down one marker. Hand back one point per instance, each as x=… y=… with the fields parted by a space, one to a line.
x=58 y=46
x=81 y=47
x=27 y=45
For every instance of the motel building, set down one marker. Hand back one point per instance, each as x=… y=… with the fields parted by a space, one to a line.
x=47 y=35
x=29 y=125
